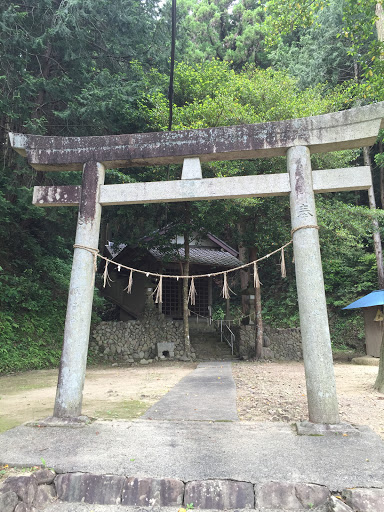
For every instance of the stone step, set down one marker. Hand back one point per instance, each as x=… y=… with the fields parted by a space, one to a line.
x=213 y=352
x=201 y=338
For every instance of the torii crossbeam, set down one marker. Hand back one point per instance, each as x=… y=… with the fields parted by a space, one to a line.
x=297 y=139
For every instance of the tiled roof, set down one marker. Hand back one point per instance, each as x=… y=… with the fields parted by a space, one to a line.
x=203 y=256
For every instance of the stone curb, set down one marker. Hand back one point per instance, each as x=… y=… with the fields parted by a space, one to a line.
x=35 y=491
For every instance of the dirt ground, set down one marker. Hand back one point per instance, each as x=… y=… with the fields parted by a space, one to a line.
x=109 y=392
x=265 y=392
x=276 y=392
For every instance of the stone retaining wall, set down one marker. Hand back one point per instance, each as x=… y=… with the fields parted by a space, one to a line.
x=34 y=492
x=136 y=340
x=279 y=344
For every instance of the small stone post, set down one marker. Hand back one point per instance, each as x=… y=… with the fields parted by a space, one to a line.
x=317 y=352
x=69 y=394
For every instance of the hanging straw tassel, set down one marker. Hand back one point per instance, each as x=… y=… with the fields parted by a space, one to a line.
x=106 y=277
x=225 y=291
x=256 y=280
x=159 y=291
x=95 y=261
x=192 y=292
x=128 y=288
x=282 y=266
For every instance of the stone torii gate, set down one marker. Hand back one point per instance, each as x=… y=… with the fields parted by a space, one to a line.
x=297 y=139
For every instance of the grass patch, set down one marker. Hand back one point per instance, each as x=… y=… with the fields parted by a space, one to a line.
x=26 y=381
x=125 y=410
x=7 y=423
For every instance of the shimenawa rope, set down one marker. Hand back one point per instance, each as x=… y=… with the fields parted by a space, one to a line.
x=158 y=292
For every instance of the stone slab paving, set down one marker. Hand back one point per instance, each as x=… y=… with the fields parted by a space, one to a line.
x=207 y=393
x=201 y=450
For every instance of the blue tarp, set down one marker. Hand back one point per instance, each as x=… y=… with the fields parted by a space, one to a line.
x=375 y=298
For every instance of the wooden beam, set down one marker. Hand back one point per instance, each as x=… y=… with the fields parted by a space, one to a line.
x=262 y=185
x=329 y=132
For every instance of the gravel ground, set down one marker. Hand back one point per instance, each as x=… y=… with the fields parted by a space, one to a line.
x=275 y=391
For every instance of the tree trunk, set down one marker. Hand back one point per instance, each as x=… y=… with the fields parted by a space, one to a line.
x=380 y=23
x=379 y=384
x=244 y=277
x=259 y=329
x=381 y=177
x=187 y=341
x=376 y=232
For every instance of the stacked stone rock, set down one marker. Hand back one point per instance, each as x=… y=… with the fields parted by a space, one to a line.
x=282 y=344
x=28 y=493
x=34 y=492
x=135 y=341
x=279 y=344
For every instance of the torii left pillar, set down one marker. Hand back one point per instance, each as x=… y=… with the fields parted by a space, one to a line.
x=69 y=394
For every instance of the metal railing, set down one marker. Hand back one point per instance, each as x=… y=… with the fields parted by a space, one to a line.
x=227 y=334
x=204 y=319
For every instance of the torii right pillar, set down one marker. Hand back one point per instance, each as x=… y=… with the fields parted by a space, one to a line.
x=316 y=340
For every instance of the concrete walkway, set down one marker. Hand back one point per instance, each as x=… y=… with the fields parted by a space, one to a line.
x=201 y=450
x=207 y=393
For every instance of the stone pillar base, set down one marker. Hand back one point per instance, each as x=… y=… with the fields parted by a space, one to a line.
x=306 y=428
x=70 y=422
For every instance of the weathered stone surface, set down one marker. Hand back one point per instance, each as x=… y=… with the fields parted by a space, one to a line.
x=307 y=428
x=329 y=132
x=44 y=476
x=24 y=486
x=22 y=507
x=100 y=489
x=336 y=505
x=365 y=500
x=366 y=361
x=290 y=496
x=165 y=350
x=45 y=494
x=279 y=344
x=219 y=494
x=8 y=501
x=266 y=353
x=312 y=494
x=140 y=492
x=136 y=340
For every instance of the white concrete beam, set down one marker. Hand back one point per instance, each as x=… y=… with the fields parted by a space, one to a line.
x=196 y=190
x=342 y=180
x=262 y=185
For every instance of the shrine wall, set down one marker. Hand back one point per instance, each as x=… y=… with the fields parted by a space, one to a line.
x=135 y=341
x=278 y=344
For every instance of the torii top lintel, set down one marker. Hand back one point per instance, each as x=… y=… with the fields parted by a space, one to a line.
x=347 y=129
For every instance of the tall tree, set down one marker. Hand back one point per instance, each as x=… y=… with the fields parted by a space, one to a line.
x=223 y=30
x=315 y=53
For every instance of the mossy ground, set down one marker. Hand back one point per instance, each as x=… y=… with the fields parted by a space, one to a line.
x=124 y=410
x=109 y=393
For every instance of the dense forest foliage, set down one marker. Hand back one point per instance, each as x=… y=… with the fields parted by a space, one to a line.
x=80 y=67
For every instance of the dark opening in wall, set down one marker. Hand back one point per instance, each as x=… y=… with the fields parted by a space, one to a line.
x=165 y=353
